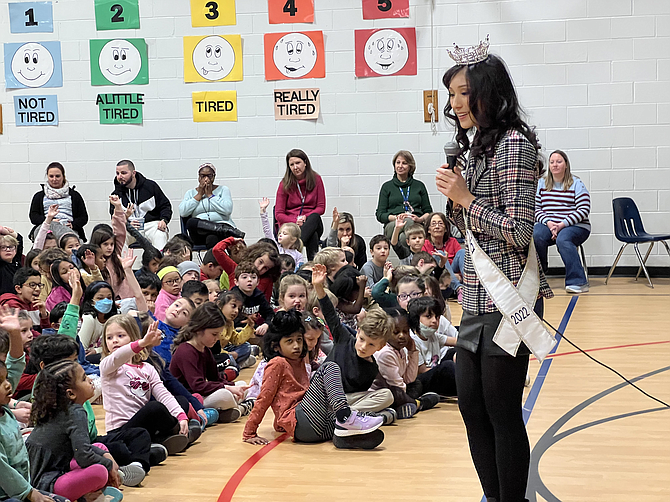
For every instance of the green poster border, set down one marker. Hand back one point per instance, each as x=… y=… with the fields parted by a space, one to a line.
x=103 y=15
x=97 y=78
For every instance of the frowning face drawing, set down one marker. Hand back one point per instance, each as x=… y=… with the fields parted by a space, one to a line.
x=294 y=55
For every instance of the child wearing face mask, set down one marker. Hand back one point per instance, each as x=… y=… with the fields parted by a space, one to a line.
x=97 y=306
x=437 y=370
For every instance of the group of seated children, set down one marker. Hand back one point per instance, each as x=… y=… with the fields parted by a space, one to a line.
x=343 y=351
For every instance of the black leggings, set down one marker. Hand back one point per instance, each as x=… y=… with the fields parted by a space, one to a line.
x=128 y=445
x=199 y=236
x=310 y=234
x=490 y=392
x=156 y=419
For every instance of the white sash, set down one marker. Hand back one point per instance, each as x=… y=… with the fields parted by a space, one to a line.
x=519 y=322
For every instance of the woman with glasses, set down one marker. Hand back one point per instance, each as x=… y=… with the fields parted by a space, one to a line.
x=11 y=251
x=209 y=208
x=343 y=235
x=447 y=251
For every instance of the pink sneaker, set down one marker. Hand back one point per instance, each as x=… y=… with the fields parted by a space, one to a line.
x=358 y=423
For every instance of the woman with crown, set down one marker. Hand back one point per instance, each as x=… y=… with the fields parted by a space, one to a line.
x=494 y=205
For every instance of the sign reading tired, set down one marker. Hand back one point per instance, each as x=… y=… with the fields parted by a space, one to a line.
x=36 y=110
x=297 y=103
x=214 y=106
x=120 y=108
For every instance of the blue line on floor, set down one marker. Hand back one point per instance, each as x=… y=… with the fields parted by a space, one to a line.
x=544 y=368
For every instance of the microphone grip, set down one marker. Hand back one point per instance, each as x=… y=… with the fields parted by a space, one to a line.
x=451 y=161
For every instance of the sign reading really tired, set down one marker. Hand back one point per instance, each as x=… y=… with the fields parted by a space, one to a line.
x=297 y=104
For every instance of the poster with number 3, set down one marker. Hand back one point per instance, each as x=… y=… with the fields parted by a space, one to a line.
x=378 y=9
x=213 y=13
x=291 y=11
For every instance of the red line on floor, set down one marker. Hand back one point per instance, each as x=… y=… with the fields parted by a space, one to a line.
x=609 y=348
x=235 y=480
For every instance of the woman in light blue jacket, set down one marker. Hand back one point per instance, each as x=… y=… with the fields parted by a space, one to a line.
x=208 y=208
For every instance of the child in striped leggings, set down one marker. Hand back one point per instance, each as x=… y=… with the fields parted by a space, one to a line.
x=313 y=411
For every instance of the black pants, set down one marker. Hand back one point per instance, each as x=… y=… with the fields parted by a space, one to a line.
x=156 y=419
x=310 y=234
x=128 y=445
x=199 y=236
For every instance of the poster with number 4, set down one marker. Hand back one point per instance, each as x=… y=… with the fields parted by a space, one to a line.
x=291 y=11
x=378 y=9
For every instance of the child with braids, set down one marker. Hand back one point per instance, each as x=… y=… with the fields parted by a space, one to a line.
x=62 y=458
x=309 y=411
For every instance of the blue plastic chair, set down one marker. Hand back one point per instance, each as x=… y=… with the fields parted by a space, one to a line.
x=628 y=229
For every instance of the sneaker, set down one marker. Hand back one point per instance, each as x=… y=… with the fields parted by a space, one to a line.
x=407 y=410
x=132 y=474
x=229 y=415
x=231 y=373
x=175 y=444
x=110 y=494
x=255 y=350
x=157 y=454
x=246 y=406
x=389 y=415
x=358 y=423
x=194 y=430
x=577 y=289
x=459 y=296
x=428 y=400
x=527 y=382
x=248 y=362
x=212 y=415
x=367 y=441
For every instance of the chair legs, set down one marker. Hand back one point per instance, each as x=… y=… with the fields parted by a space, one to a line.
x=618 y=256
x=644 y=267
x=584 y=266
x=646 y=256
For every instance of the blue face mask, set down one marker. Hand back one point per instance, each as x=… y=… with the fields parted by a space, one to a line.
x=103 y=306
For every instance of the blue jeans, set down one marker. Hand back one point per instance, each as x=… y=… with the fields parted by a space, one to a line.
x=454 y=268
x=243 y=352
x=567 y=242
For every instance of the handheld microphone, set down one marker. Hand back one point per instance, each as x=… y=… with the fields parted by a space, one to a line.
x=451 y=151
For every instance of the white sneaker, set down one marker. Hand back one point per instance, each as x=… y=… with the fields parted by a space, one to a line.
x=577 y=289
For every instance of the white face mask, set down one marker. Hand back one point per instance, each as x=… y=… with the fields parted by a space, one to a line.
x=426 y=331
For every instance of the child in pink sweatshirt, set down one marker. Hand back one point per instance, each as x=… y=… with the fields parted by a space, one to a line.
x=170 y=290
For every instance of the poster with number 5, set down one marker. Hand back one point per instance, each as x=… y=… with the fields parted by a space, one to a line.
x=291 y=11
x=378 y=9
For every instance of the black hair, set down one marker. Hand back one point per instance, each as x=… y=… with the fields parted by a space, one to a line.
x=32 y=254
x=58 y=281
x=50 y=392
x=304 y=272
x=397 y=314
x=348 y=255
x=64 y=238
x=226 y=296
x=419 y=306
x=23 y=274
x=287 y=261
x=151 y=253
x=49 y=349
x=377 y=239
x=345 y=282
x=81 y=252
x=493 y=103
x=101 y=235
x=190 y=288
x=57 y=312
x=148 y=279
x=210 y=258
x=283 y=324
x=267 y=240
x=128 y=163
x=434 y=285
x=312 y=322
x=88 y=305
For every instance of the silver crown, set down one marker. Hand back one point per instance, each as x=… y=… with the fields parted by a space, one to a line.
x=470 y=55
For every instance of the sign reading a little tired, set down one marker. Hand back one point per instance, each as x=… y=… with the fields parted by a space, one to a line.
x=120 y=108
x=297 y=104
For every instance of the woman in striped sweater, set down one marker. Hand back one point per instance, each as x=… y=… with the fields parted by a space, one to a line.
x=562 y=207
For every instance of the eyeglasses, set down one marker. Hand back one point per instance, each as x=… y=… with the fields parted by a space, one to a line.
x=437 y=224
x=34 y=285
x=172 y=282
x=7 y=248
x=405 y=296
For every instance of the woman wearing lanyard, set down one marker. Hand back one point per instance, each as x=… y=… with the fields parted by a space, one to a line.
x=496 y=202
x=301 y=199
x=402 y=194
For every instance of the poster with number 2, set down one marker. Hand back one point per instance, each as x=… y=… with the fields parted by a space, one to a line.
x=291 y=11
x=378 y=9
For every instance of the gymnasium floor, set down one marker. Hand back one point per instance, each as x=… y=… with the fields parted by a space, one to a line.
x=592 y=439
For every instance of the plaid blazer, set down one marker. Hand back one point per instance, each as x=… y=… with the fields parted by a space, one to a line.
x=502 y=216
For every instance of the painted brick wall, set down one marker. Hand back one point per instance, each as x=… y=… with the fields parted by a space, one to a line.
x=594 y=76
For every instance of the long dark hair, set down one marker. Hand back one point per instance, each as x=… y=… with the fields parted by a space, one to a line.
x=88 y=305
x=101 y=235
x=289 y=181
x=283 y=324
x=50 y=394
x=58 y=281
x=206 y=316
x=494 y=105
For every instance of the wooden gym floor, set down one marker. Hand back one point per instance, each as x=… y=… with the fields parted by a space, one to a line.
x=592 y=438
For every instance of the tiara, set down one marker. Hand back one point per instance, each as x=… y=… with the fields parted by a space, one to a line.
x=470 y=55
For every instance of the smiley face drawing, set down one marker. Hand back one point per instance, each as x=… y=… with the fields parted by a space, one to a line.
x=294 y=55
x=120 y=62
x=32 y=65
x=386 y=52
x=213 y=58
